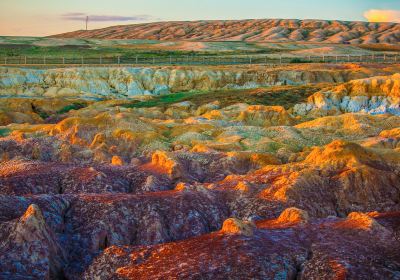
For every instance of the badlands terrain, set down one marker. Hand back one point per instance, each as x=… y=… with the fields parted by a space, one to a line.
x=255 y=30
x=287 y=172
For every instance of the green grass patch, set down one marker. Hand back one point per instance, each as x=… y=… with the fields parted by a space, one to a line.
x=94 y=52
x=77 y=51
x=43 y=115
x=4 y=132
x=73 y=106
x=162 y=100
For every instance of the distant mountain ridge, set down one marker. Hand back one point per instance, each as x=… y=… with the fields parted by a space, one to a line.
x=252 y=30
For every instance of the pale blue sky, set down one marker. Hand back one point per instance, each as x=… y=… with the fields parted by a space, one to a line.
x=45 y=17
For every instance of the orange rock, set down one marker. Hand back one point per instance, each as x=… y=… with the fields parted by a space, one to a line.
x=265 y=116
x=365 y=221
x=243 y=186
x=340 y=152
x=200 y=148
x=162 y=160
x=116 y=160
x=236 y=226
x=293 y=215
x=181 y=186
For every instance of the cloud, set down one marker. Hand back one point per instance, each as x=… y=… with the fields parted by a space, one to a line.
x=73 y=15
x=103 y=18
x=382 y=15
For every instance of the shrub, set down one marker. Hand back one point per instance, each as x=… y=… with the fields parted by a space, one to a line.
x=298 y=60
x=4 y=132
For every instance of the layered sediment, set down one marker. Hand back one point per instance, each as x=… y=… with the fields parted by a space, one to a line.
x=376 y=95
x=128 y=82
x=122 y=189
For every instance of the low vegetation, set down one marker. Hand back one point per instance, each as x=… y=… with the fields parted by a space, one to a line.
x=285 y=96
x=73 y=106
x=4 y=132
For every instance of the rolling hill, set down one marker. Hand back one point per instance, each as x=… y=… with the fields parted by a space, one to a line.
x=257 y=30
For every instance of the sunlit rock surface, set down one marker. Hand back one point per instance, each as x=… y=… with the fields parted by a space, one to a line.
x=377 y=95
x=323 y=249
x=201 y=187
x=129 y=82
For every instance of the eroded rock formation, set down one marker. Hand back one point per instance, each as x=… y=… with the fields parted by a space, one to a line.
x=198 y=189
x=377 y=95
x=128 y=82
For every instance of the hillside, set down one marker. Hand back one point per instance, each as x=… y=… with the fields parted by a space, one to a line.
x=260 y=30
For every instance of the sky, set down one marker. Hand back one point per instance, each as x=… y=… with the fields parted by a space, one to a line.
x=48 y=17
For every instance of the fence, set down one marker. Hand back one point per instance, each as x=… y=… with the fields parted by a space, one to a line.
x=200 y=60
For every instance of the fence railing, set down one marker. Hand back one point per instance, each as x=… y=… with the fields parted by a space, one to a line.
x=199 y=60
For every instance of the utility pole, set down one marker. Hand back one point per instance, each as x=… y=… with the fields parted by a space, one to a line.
x=87 y=21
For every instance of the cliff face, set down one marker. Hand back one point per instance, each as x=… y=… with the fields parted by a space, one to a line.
x=263 y=30
x=130 y=82
x=377 y=95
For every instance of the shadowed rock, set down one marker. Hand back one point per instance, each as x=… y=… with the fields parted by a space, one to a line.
x=34 y=245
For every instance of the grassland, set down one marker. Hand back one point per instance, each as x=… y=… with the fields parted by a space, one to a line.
x=93 y=48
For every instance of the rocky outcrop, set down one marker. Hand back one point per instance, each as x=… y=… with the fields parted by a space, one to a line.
x=105 y=191
x=378 y=95
x=266 y=116
x=151 y=218
x=235 y=226
x=364 y=221
x=56 y=178
x=161 y=160
x=293 y=215
x=34 y=245
x=346 y=259
x=334 y=180
x=310 y=251
x=127 y=82
x=123 y=82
